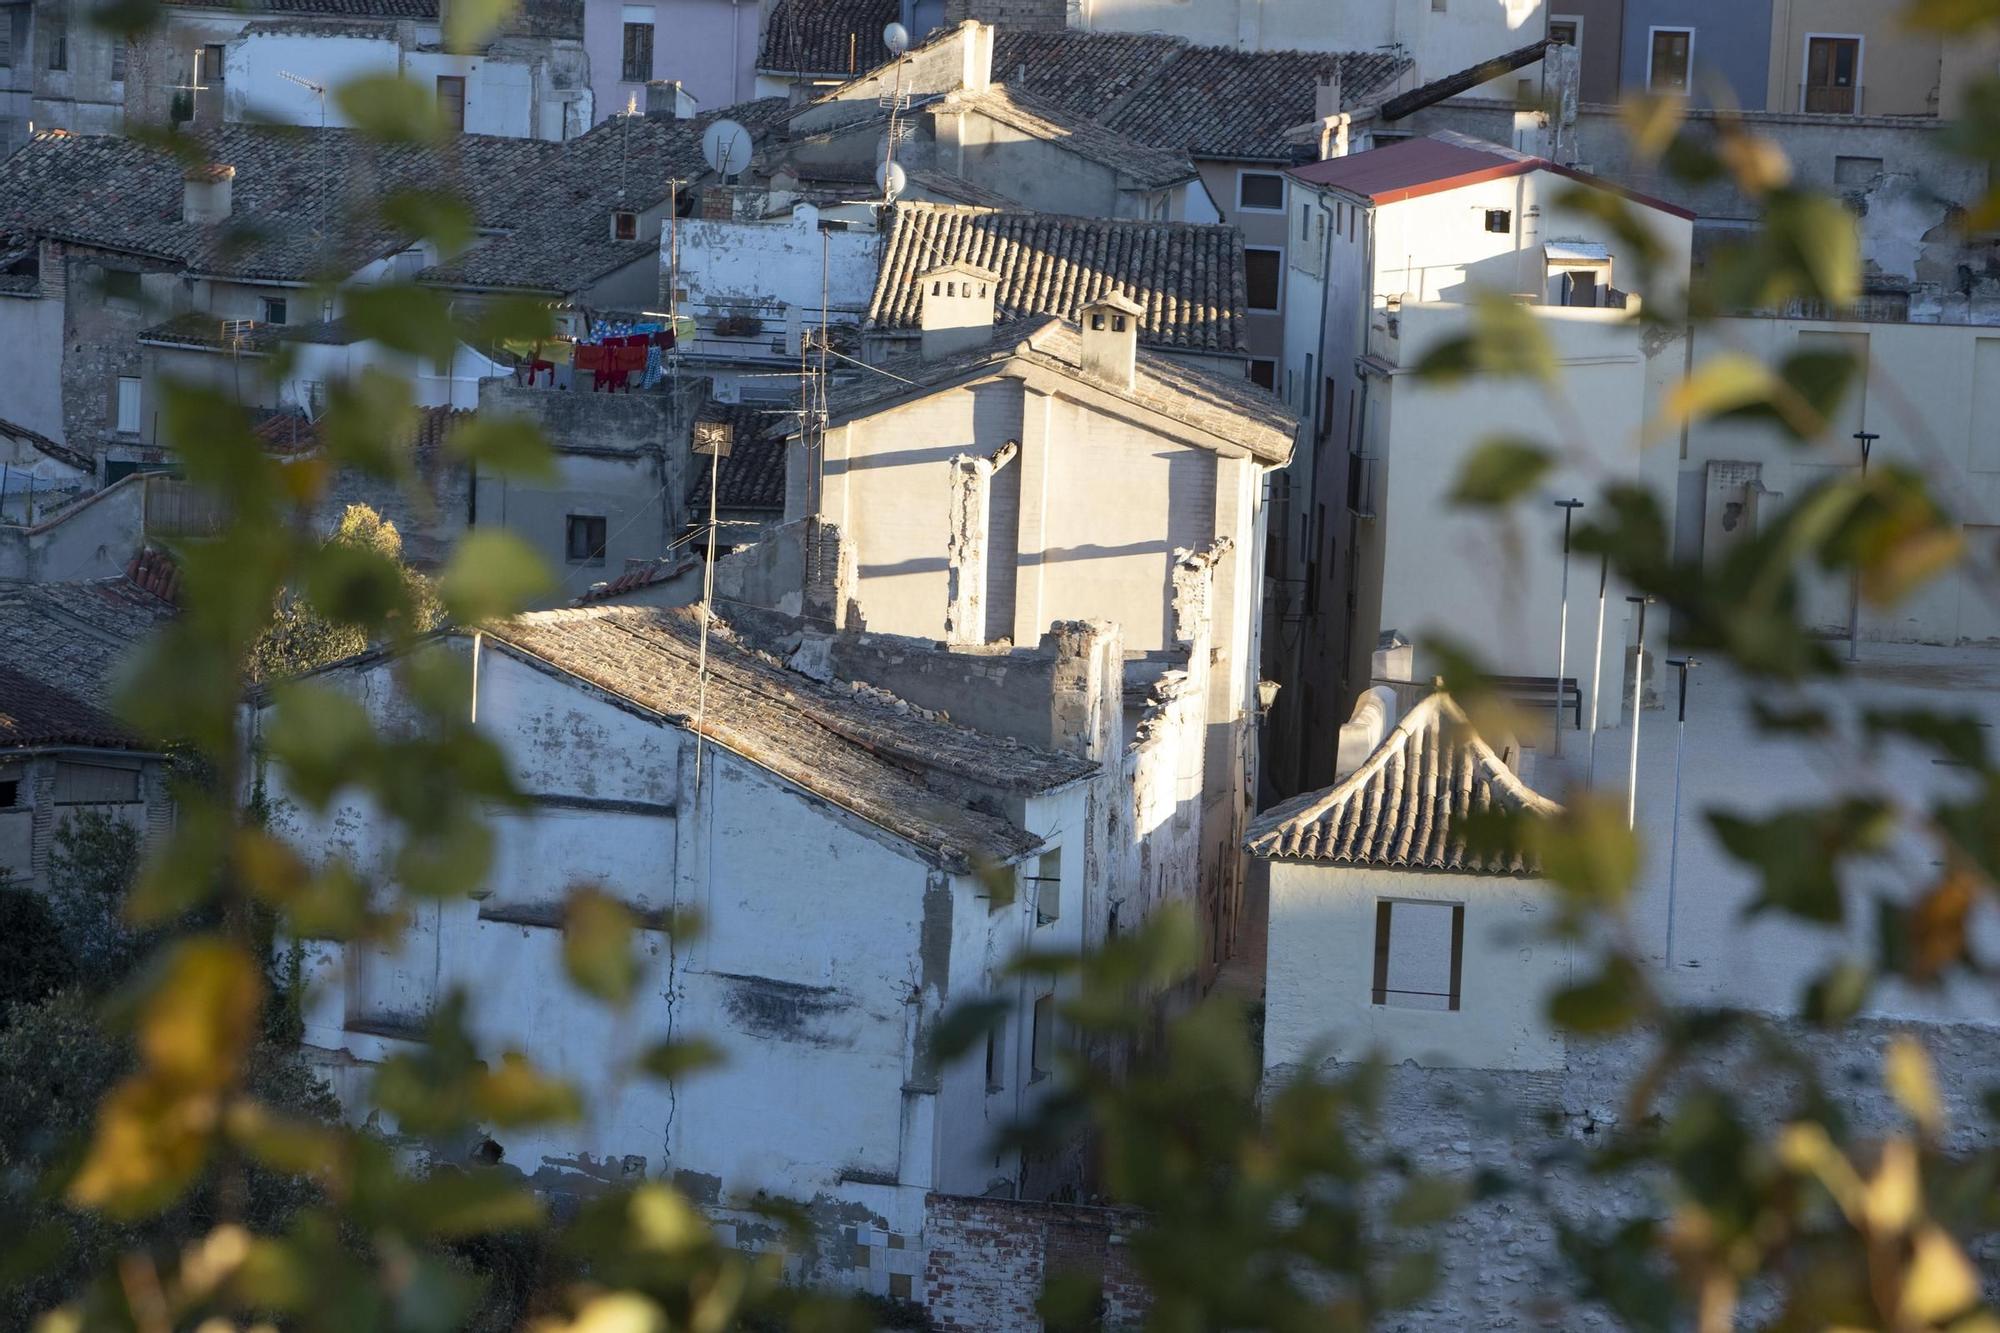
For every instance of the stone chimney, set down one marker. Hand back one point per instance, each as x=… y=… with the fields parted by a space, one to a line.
x=1087 y=688
x=957 y=309
x=1111 y=338
x=205 y=193
x=669 y=99
x=975 y=43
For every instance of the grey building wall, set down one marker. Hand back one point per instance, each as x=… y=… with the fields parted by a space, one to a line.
x=1732 y=47
x=1601 y=44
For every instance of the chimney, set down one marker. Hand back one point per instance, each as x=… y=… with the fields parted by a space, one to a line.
x=975 y=41
x=957 y=309
x=669 y=99
x=205 y=193
x=1326 y=94
x=1111 y=338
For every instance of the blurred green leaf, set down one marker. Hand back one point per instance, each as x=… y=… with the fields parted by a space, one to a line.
x=437 y=215
x=1500 y=471
x=1797 y=853
x=390 y=108
x=1611 y=1001
x=406 y=317
x=469 y=23
x=505 y=445
x=965 y=1025
x=672 y=1060
x=492 y=574
x=597 y=945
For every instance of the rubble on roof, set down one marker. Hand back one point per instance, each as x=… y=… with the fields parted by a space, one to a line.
x=1407 y=806
x=922 y=779
x=1187 y=276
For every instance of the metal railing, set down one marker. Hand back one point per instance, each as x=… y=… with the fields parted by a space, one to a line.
x=1824 y=100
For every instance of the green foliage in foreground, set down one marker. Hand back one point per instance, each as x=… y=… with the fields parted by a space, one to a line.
x=167 y=1160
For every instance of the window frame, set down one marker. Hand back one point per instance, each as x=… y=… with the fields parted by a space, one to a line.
x=1243 y=177
x=57 y=59
x=266 y=304
x=1041 y=1037
x=626 y=64
x=213 y=55
x=597 y=540
x=455 y=121
x=1652 y=52
x=1379 y=991
x=118 y=383
x=996 y=1058
x=619 y=232
x=1250 y=372
x=120 y=59
x=8 y=41
x=1506 y=216
x=1575 y=22
x=1277 y=279
x=1047 y=899
x=1860 y=41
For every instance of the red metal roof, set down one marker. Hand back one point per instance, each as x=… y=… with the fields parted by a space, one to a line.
x=1411 y=168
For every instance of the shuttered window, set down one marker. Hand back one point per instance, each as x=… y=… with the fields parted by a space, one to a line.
x=96 y=784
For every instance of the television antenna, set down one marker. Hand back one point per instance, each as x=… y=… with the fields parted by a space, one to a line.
x=318 y=90
x=725 y=146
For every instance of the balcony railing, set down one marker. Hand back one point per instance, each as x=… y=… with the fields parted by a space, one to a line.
x=1820 y=100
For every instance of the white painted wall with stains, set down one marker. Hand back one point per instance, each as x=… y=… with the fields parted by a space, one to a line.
x=829 y=946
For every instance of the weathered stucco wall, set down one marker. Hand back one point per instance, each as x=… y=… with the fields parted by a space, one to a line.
x=90 y=539
x=32 y=393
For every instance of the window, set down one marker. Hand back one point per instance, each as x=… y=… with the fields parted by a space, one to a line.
x=1500 y=220
x=1264 y=372
x=211 y=65
x=451 y=101
x=10 y=793
x=1263 y=191
x=638 y=63
x=1833 y=75
x=96 y=784
x=118 y=50
x=122 y=284
x=7 y=39
x=1260 y=277
x=126 y=406
x=586 y=539
x=996 y=1059
x=1046 y=887
x=624 y=225
x=58 y=34
x=1307 y=383
x=1670 y=60
x=1437 y=6
x=1579 y=287
x=1419 y=951
x=1565 y=30
x=1042 y=1052
x=274 y=310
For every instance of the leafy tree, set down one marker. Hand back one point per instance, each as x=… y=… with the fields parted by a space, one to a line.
x=33 y=959
x=304 y=634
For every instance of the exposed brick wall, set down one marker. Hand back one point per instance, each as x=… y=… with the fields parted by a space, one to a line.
x=985 y=1261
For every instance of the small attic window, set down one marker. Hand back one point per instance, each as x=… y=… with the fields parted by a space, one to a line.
x=951 y=289
x=1500 y=220
x=1118 y=323
x=1097 y=321
x=937 y=287
x=624 y=225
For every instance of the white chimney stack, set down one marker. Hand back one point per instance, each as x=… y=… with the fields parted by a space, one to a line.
x=956 y=309
x=1111 y=338
x=205 y=193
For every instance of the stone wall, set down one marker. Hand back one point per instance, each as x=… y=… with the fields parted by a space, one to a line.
x=1010 y=15
x=986 y=1260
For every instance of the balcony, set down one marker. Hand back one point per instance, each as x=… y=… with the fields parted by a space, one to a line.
x=1826 y=100
x=1363 y=477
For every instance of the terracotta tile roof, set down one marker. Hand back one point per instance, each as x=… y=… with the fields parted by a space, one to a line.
x=200 y=329
x=1203 y=101
x=927 y=781
x=74 y=637
x=1074 y=130
x=396 y=9
x=638 y=575
x=558 y=242
x=1405 y=807
x=1187 y=276
x=1412 y=168
x=33 y=712
x=42 y=444
x=838 y=38
x=1224 y=406
x=753 y=476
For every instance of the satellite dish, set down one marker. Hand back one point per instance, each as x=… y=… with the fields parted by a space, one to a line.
x=725 y=146
x=896 y=37
x=891 y=177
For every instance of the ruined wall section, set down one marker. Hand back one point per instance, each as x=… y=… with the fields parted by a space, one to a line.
x=986 y=1260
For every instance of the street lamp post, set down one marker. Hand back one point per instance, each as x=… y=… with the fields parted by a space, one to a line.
x=1597 y=671
x=1867 y=439
x=1680 y=747
x=1638 y=699
x=1569 y=508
